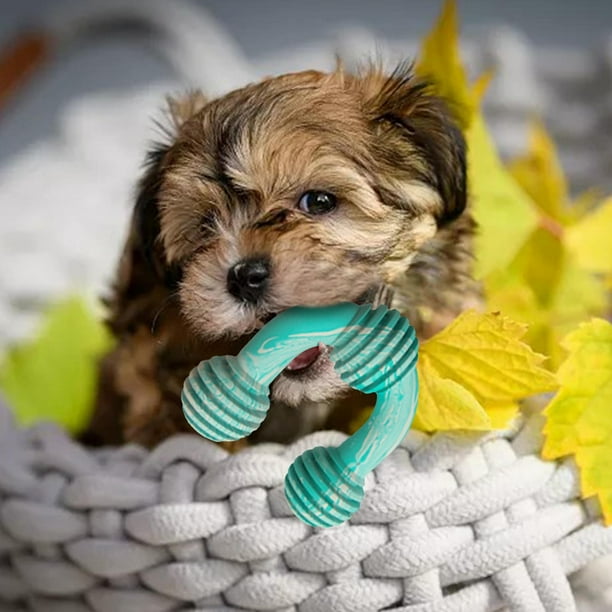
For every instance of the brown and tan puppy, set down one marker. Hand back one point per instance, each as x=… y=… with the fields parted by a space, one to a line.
x=309 y=189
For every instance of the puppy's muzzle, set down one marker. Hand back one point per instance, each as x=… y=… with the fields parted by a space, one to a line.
x=247 y=280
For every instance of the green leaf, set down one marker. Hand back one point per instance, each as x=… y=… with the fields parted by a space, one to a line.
x=54 y=376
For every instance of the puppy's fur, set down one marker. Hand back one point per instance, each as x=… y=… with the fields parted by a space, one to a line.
x=226 y=187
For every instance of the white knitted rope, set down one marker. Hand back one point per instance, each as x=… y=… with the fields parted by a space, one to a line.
x=449 y=523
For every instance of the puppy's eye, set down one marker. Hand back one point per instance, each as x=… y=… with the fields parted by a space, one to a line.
x=317 y=202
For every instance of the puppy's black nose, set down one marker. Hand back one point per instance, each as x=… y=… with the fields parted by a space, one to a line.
x=247 y=280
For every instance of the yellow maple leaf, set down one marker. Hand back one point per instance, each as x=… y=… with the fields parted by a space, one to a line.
x=481 y=85
x=582 y=227
x=472 y=373
x=576 y=298
x=550 y=283
x=440 y=64
x=502 y=416
x=445 y=404
x=504 y=213
x=540 y=174
x=589 y=239
x=484 y=352
x=507 y=292
x=579 y=419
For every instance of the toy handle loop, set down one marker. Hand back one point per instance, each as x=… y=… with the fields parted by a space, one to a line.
x=374 y=351
x=324 y=485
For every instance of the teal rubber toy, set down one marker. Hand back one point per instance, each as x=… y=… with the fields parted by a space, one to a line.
x=374 y=350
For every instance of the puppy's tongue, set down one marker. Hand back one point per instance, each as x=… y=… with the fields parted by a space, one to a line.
x=304 y=360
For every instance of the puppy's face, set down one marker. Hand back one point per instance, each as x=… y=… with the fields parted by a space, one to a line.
x=306 y=189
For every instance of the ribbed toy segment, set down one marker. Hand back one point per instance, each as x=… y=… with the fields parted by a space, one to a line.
x=355 y=348
x=347 y=344
x=380 y=376
x=321 y=490
x=379 y=354
x=222 y=402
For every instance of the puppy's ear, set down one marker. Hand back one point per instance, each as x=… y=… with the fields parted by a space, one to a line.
x=400 y=104
x=143 y=269
x=182 y=108
x=145 y=229
x=145 y=223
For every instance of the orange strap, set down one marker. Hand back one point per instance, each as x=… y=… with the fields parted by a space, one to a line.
x=19 y=61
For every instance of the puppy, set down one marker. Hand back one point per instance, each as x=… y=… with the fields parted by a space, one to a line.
x=304 y=189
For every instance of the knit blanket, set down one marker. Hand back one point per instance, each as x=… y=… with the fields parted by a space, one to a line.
x=450 y=522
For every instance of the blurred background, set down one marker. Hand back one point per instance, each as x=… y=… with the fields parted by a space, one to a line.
x=82 y=82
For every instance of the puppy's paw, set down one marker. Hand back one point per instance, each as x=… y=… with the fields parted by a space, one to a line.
x=151 y=426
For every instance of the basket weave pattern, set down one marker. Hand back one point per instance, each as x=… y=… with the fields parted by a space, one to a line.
x=449 y=522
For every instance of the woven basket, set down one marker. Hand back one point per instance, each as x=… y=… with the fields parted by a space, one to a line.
x=449 y=522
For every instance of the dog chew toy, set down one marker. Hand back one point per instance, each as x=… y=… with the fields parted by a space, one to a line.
x=373 y=350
